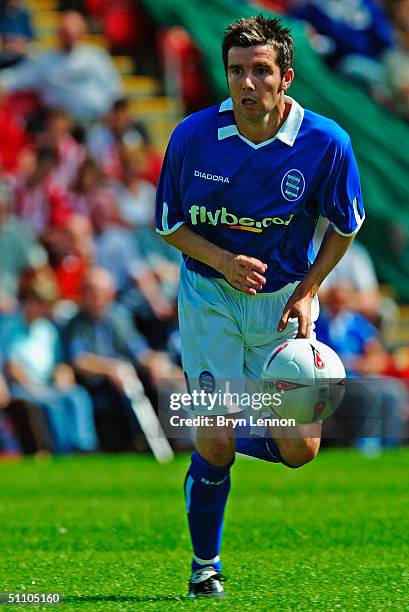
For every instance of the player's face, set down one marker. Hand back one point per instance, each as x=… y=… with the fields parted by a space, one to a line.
x=255 y=82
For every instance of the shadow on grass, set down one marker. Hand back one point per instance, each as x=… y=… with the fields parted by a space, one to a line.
x=131 y=598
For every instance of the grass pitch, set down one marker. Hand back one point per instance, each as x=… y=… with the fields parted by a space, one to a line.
x=110 y=533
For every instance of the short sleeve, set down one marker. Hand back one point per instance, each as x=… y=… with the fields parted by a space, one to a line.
x=340 y=198
x=169 y=207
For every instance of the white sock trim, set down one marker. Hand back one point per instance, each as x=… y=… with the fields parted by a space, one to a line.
x=206 y=561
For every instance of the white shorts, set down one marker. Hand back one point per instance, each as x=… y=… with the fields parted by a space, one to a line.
x=227 y=335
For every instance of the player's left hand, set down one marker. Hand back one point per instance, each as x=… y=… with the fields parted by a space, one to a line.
x=298 y=307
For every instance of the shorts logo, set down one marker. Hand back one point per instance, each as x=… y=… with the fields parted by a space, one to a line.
x=207 y=381
x=293 y=185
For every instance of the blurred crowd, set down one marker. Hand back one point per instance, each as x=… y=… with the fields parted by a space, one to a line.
x=86 y=285
x=365 y=40
x=85 y=282
x=353 y=316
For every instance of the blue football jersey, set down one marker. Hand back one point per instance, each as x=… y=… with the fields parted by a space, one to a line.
x=261 y=200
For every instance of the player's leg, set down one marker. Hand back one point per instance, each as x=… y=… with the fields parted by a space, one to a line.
x=296 y=446
x=207 y=487
x=217 y=449
x=212 y=353
x=275 y=446
x=292 y=447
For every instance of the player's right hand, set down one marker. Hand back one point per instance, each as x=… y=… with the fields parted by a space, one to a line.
x=245 y=273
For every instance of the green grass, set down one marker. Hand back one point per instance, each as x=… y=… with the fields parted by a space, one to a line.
x=110 y=533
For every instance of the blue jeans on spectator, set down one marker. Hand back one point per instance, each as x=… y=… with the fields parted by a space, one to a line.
x=386 y=423
x=69 y=414
x=9 y=444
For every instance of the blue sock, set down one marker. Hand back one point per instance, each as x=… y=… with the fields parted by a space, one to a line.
x=206 y=490
x=260 y=447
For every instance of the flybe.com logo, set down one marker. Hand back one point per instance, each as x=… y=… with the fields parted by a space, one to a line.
x=200 y=214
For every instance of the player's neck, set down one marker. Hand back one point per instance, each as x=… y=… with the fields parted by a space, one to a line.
x=260 y=131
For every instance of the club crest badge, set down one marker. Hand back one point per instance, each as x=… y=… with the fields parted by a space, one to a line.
x=293 y=185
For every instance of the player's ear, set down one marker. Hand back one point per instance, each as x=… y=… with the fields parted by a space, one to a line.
x=287 y=79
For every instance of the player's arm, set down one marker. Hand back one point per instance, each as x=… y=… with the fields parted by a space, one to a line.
x=340 y=201
x=333 y=247
x=242 y=272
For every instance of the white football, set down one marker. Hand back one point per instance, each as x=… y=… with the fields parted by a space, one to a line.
x=310 y=378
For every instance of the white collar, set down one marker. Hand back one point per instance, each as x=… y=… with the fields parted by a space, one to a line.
x=287 y=132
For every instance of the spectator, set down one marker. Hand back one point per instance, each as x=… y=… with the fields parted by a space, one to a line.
x=380 y=403
x=9 y=444
x=78 y=77
x=18 y=250
x=99 y=338
x=118 y=130
x=135 y=195
x=13 y=136
x=15 y=32
x=39 y=202
x=70 y=249
x=130 y=30
x=163 y=259
x=396 y=62
x=57 y=134
x=33 y=354
x=86 y=184
x=356 y=33
x=122 y=28
x=357 y=271
x=117 y=250
x=23 y=426
x=396 y=59
x=5 y=396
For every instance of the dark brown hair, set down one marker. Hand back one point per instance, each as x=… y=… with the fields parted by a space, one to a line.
x=260 y=30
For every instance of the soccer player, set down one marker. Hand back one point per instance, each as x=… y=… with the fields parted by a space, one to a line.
x=241 y=190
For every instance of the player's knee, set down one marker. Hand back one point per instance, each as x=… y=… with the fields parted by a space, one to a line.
x=218 y=452
x=297 y=453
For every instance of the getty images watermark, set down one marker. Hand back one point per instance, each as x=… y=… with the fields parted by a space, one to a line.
x=362 y=408
x=205 y=409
